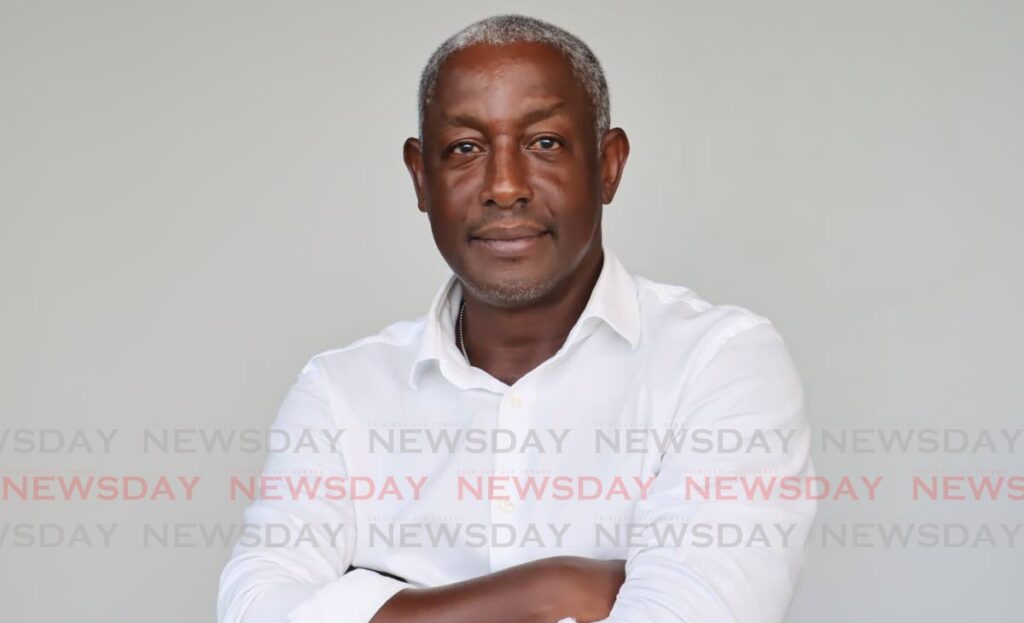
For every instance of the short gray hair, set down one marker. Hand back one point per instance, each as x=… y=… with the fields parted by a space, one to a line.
x=505 y=29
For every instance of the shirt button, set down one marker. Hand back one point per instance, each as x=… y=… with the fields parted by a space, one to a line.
x=506 y=505
x=516 y=401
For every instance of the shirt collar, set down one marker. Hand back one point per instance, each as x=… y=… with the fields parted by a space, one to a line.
x=613 y=300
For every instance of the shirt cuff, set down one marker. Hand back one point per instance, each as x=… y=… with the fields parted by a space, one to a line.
x=358 y=594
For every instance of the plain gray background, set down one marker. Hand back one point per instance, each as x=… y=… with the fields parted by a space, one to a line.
x=195 y=197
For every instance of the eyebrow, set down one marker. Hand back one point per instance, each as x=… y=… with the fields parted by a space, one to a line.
x=538 y=114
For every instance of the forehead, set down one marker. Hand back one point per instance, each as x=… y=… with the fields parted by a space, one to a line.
x=498 y=81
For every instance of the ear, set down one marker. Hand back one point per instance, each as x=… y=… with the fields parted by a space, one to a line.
x=413 y=155
x=614 y=152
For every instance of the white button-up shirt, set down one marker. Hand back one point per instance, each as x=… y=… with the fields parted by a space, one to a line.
x=650 y=436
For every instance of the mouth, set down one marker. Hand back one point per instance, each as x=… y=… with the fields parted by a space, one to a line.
x=510 y=241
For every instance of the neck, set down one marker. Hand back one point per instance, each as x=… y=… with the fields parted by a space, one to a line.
x=509 y=342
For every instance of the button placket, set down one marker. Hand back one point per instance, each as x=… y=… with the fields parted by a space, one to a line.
x=504 y=511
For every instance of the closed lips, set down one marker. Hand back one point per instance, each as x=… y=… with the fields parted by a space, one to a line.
x=510 y=233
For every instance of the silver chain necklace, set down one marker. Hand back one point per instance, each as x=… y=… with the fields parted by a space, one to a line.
x=462 y=339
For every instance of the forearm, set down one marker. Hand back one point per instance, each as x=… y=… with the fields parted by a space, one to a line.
x=542 y=591
x=514 y=595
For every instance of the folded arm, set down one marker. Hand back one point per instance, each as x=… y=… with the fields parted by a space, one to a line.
x=313 y=580
x=748 y=385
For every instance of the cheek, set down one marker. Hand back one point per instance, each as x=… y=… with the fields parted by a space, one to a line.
x=455 y=192
x=570 y=197
x=447 y=212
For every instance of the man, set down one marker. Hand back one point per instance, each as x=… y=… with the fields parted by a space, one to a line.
x=565 y=382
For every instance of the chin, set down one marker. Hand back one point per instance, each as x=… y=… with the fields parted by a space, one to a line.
x=509 y=292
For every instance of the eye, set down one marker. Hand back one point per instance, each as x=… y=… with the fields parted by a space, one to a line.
x=463 y=148
x=546 y=143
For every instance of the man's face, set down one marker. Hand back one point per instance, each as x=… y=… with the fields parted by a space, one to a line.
x=509 y=173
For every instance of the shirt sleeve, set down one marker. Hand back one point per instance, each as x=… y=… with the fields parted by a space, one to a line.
x=308 y=578
x=749 y=387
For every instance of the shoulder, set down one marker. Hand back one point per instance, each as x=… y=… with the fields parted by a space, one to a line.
x=669 y=306
x=726 y=360
x=390 y=348
x=678 y=319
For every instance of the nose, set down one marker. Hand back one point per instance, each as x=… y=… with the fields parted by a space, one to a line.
x=507 y=184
